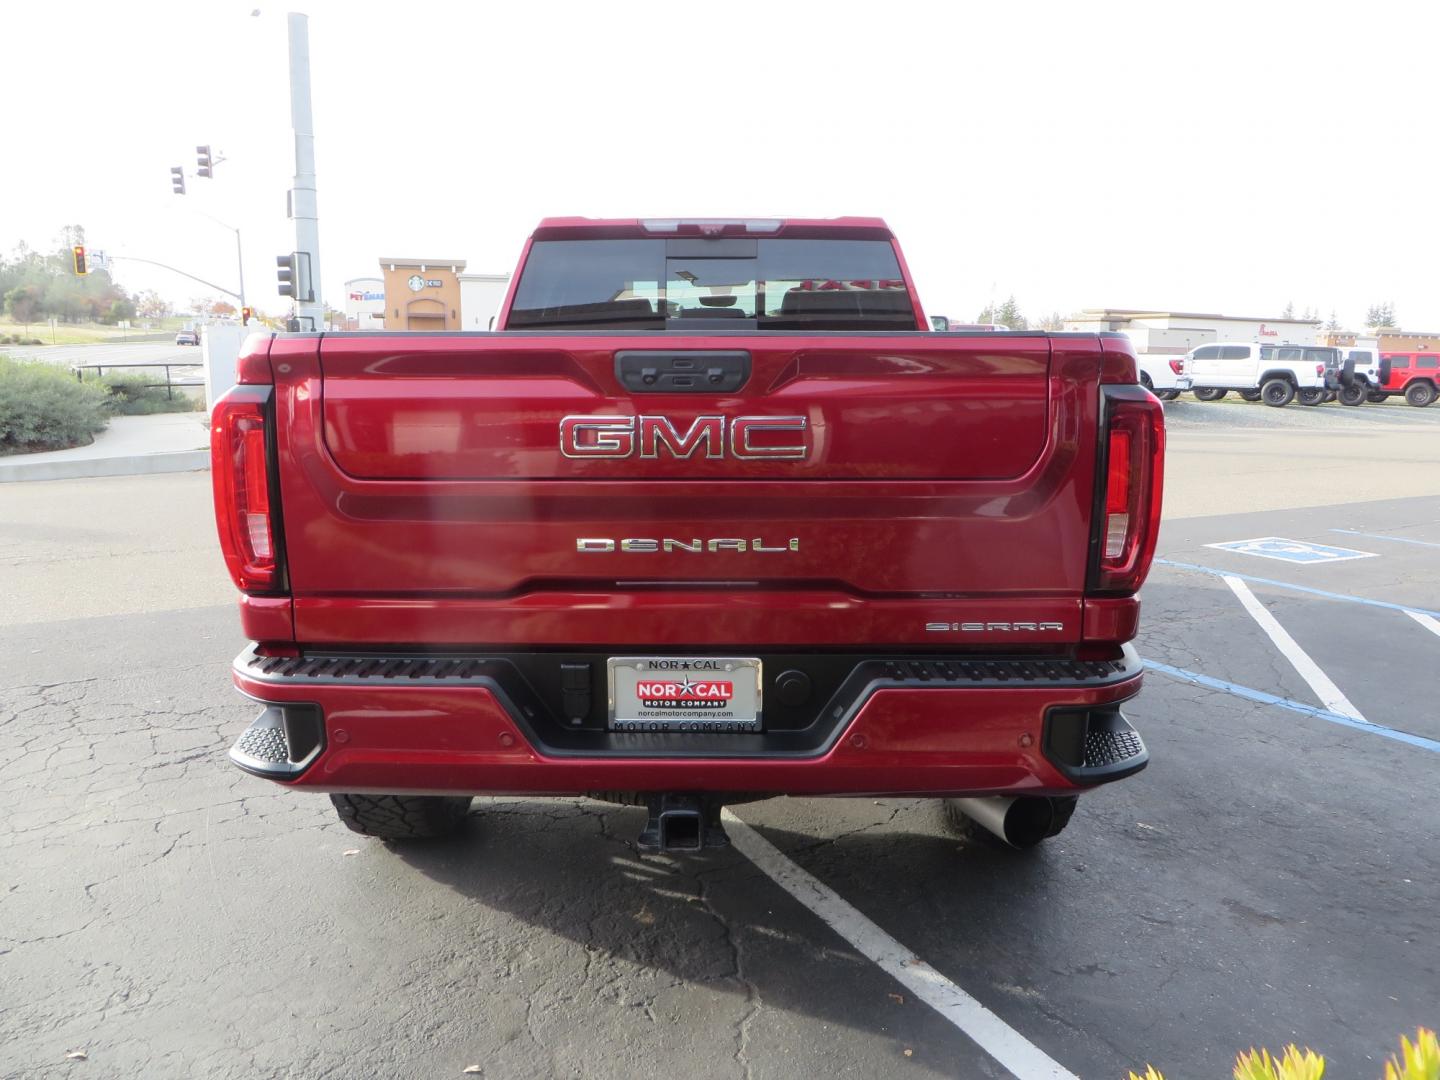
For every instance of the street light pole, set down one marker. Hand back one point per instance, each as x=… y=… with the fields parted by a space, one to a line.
x=303 y=204
x=240 y=261
x=239 y=256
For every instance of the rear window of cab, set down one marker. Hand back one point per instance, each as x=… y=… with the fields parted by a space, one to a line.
x=726 y=284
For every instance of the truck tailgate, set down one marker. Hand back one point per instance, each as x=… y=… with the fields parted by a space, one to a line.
x=900 y=481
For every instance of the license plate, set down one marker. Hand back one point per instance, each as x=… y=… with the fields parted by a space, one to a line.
x=702 y=694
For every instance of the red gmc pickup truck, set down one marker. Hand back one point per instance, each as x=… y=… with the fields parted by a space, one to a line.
x=709 y=517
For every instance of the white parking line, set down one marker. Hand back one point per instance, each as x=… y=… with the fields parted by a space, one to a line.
x=998 y=1039
x=1329 y=694
x=1428 y=621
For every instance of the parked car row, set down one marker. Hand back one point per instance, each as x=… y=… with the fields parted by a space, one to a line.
x=1280 y=374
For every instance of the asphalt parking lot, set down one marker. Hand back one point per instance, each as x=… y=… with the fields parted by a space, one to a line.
x=1272 y=876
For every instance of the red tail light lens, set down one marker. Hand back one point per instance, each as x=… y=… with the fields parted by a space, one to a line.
x=1134 y=480
x=239 y=471
x=1319 y=369
x=1178 y=366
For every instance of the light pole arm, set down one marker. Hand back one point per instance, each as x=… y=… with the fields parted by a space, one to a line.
x=184 y=273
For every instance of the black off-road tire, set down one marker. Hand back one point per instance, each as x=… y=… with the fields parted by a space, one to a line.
x=1167 y=395
x=1146 y=383
x=1277 y=392
x=1354 y=394
x=1250 y=395
x=1310 y=396
x=402 y=817
x=1375 y=397
x=964 y=826
x=1209 y=393
x=1420 y=394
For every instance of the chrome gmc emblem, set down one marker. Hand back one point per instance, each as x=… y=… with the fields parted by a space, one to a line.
x=743 y=438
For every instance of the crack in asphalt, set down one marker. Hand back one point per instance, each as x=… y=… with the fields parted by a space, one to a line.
x=754 y=1001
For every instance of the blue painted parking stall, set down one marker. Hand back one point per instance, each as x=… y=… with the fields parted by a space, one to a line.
x=1302 y=552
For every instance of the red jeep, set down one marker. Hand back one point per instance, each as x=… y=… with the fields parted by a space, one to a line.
x=1414 y=374
x=710 y=517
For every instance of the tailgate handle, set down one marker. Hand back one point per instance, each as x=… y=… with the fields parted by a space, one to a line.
x=682 y=371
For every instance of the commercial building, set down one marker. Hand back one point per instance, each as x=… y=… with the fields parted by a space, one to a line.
x=422 y=294
x=1174 y=333
x=1408 y=341
x=480 y=299
x=365 y=304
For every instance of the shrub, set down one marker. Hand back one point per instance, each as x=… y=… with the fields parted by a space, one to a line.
x=1420 y=1061
x=1417 y=1061
x=130 y=396
x=43 y=408
x=1296 y=1064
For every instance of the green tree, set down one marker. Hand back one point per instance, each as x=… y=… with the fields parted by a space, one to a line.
x=1289 y=312
x=52 y=288
x=22 y=302
x=1008 y=315
x=1334 y=323
x=1381 y=314
x=121 y=308
x=1053 y=321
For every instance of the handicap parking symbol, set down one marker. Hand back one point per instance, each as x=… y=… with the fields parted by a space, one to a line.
x=1293 y=551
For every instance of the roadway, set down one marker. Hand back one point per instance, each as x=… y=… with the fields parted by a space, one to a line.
x=1271 y=877
x=116 y=354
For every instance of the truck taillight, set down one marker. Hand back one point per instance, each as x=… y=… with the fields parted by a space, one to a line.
x=1133 y=476
x=240 y=473
x=1319 y=369
x=1178 y=366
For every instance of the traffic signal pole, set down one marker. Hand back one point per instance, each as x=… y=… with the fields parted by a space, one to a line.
x=309 y=304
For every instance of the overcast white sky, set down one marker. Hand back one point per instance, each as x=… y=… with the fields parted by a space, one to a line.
x=1191 y=156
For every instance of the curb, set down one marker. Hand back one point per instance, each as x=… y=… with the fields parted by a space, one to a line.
x=134 y=465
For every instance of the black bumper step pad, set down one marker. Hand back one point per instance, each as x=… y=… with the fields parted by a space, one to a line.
x=528 y=686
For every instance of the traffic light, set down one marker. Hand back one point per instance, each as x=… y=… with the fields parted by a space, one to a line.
x=285 y=272
x=78 y=251
x=245 y=314
x=204 y=162
x=177 y=180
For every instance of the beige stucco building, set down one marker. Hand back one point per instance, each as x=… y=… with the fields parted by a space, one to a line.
x=422 y=294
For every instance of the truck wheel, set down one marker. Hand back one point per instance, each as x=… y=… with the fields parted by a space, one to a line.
x=1420 y=394
x=1311 y=396
x=1375 y=397
x=1250 y=395
x=1146 y=383
x=1330 y=395
x=1209 y=393
x=1039 y=818
x=1167 y=395
x=1354 y=394
x=402 y=817
x=1277 y=392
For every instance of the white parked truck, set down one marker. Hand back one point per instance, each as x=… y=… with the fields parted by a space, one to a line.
x=1164 y=375
x=1274 y=374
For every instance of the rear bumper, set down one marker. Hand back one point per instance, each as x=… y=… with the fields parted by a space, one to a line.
x=923 y=726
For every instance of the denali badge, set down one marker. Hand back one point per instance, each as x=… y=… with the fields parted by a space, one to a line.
x=981 y=627
x=590 y=544
x=744 y=438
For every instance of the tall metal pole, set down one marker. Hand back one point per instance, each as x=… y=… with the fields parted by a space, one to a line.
x=303 y=206
x=240 y=260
